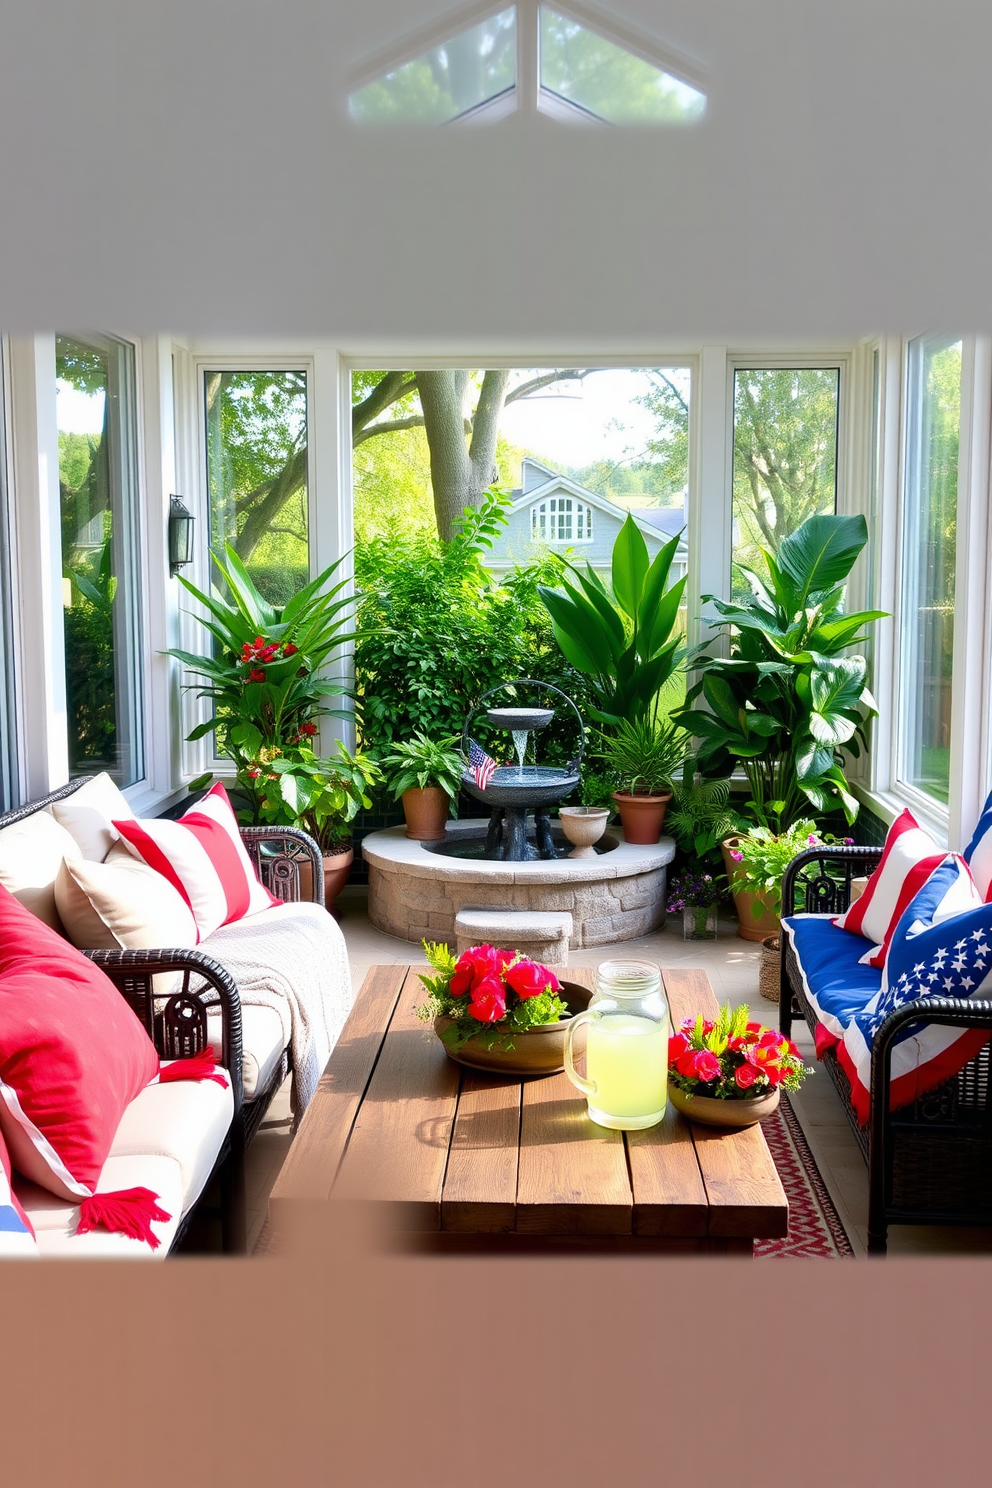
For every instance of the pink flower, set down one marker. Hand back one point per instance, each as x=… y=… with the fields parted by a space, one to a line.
x=706 y=1066
x=528 y=979
x=812 y=839
x=677 y=1046
x=745 y=1076
x=474 y=966
x=738 y=857
x=488 y=1003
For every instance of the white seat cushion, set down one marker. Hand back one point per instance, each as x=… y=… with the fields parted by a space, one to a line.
x=55 y=1219
x=186 y=1120
x=263 y=1039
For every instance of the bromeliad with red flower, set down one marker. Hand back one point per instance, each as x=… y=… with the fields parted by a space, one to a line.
x=732 y=1058
x=488 y=993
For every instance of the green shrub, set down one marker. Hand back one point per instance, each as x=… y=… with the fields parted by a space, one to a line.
x=437 y=631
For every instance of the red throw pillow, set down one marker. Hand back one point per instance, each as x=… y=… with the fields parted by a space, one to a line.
x=202 y=856
x=72 y=1056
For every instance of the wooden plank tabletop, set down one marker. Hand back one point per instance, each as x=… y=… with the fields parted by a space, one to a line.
x=465 y=1154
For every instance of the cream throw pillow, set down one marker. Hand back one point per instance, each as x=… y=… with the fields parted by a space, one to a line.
x=121 y=904
x=88 y=813
x=31 y=854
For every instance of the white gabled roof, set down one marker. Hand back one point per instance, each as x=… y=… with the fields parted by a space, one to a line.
x=562 y=484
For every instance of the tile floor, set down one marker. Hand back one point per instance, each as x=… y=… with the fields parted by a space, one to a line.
x=732 y=967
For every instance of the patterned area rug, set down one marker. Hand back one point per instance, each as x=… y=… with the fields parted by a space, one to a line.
x=815 y=1229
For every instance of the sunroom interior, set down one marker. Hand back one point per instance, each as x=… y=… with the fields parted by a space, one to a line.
x=528 y=224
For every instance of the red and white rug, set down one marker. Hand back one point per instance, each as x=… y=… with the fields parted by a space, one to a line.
x=815 y=1228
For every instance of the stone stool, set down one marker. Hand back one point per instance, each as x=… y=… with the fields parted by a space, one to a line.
x=543 y=935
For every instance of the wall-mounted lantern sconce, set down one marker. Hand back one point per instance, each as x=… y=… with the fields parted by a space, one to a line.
x=180 y=534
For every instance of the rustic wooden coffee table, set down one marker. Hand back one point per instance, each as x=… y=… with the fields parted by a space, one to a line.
x=467 y=1161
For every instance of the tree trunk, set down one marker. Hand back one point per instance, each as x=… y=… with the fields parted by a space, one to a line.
x=460 y=473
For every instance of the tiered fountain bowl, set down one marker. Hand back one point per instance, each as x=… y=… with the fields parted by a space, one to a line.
x=513 y=791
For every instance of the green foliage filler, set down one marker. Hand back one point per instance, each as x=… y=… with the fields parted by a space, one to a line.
x=701 y=816
x=627 y=643
x=437 y=631
x=788 y=703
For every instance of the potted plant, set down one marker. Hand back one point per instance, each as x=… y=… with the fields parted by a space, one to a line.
x=789 y=702
x=756 y=862
x=700 y=816
x=644 y=754
x=498 y=1010
x=426 y=774
x=323 y=795
x=263 y=676
x=696 y=894
x=729 y=1072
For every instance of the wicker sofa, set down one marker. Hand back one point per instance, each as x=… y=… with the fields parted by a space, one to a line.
x=929 y=1162
x=203 y=1007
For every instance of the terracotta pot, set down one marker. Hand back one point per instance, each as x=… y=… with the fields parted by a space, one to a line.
x=426 y=812
x=642 y=817
x=710 y=1112
x=337 y=867
x=584 y=826
x=536 y=1051
x=756 y=920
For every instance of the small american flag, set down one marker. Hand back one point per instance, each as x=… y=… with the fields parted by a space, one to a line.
x=482 y=764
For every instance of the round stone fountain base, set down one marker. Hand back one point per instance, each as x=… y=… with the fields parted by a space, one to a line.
x=415 y=893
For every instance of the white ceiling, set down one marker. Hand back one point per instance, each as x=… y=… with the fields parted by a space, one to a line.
x=189 y=164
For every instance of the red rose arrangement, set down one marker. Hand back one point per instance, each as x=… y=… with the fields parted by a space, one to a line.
x=732 y=1058
x=490 y=992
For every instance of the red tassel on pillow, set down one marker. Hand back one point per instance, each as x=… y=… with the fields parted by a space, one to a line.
x=129 y=1211
x=202 y=1066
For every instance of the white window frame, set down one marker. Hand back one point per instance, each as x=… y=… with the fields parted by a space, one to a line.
x=199 y=757
x=579 y=514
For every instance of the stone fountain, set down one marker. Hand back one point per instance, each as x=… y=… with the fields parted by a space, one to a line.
x=513 y=791
x=514 y=859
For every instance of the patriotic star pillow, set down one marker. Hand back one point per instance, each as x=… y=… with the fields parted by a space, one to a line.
x=929 y=956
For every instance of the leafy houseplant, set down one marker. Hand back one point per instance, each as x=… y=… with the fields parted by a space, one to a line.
x=729 y=1072
x=756 y=863
x=700 y=815
x=627 y=642
x=643 y=754
x=498 y=1009
x=426 y=774
x=264 y=678
x=787 y=703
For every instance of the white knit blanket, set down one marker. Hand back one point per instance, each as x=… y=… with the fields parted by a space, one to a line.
x=293 y=959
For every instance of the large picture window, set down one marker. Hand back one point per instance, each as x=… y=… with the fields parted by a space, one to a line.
x=98 y=486
x=256 y=425
x=927 y=574
x=785 y=456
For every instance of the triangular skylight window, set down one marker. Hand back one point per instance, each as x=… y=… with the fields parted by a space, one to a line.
x=529 y=57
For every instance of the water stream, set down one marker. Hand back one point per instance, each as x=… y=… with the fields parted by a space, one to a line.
x=520 y=737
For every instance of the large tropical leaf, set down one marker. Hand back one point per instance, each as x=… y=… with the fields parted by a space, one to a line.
x=820 y=554
x=630 y=566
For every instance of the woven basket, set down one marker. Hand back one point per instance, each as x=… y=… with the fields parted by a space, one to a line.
x=769 y=975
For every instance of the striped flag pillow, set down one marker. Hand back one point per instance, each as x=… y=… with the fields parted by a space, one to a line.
x=978 y=853
x=909 y=857
x=203 y=857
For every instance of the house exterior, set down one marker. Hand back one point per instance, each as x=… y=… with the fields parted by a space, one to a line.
x=550 y=511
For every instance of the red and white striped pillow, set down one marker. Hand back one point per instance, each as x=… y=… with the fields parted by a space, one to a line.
x=203 y=857
x=909 y=857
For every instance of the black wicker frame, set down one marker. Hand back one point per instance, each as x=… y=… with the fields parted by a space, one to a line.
x=178 y=1024
x=929 y=1162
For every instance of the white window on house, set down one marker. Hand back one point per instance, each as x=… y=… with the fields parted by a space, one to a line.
x=98 y=484
x=561 y=519
x=927 y=567
x=538 y=57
